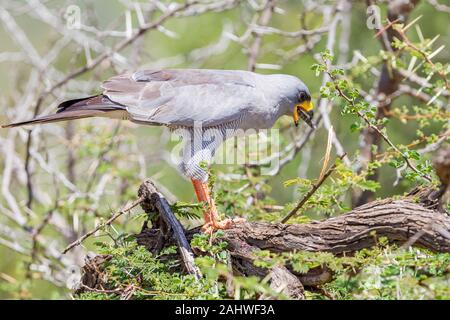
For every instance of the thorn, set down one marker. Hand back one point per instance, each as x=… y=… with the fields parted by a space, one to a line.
x=432 y=55
x=435 y=97
x=412 y=63
x=411 y=23
x=432 y=41
x=419 y=33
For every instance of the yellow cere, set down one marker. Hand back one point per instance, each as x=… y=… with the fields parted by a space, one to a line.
x=306 y=105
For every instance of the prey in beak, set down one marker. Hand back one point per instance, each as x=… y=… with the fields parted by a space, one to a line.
x=304 y=111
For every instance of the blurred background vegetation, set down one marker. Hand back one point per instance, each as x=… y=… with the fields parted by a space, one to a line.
x=73 y=190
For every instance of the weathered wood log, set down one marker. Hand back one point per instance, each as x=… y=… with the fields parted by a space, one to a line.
x=282 y=280
x=397 y=220
x=154 y=200
x=400 y=221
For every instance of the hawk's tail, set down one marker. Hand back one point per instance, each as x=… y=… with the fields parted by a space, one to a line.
x=95 y=106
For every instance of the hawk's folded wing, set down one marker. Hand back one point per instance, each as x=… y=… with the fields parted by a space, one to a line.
x=182 y=97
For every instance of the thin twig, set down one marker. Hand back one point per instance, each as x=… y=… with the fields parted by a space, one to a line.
x=312 y=191
x=256 y=45
x=102 y=225
x=408 y=43
x=94 y=63
x=385 y=28
x=378 y=131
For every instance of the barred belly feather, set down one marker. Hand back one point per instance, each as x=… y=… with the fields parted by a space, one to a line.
x=200 y=145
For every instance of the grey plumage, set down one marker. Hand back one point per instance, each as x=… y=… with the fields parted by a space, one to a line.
x=182 y=99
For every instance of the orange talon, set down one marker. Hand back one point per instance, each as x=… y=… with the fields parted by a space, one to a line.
x=210 y=213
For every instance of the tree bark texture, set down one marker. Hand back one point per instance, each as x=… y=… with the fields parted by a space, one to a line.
x=403 y=221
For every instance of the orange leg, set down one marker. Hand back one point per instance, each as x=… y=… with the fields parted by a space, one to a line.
x=210 y=213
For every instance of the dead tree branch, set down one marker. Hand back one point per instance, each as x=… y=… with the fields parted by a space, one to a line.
x=155 y=200
x=397 y=220
x=403 y=221
x=102 y=225
x=312 y=191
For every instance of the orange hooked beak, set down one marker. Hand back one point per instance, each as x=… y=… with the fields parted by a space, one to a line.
x=304 y=111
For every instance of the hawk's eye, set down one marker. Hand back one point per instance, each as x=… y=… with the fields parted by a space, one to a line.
x=302 y=96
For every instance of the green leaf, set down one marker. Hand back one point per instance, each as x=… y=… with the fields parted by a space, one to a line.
x=369 y=185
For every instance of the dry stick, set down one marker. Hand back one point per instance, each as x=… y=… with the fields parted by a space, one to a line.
x=326 y=158
x=148 y=190
x=94 y=63
x=312 y=191
x=102 y=225
x=385 y=28
x=438 y=6
x=118 y=48
x=256 y=45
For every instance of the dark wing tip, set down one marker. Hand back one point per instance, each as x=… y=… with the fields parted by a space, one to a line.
x=63 y=106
